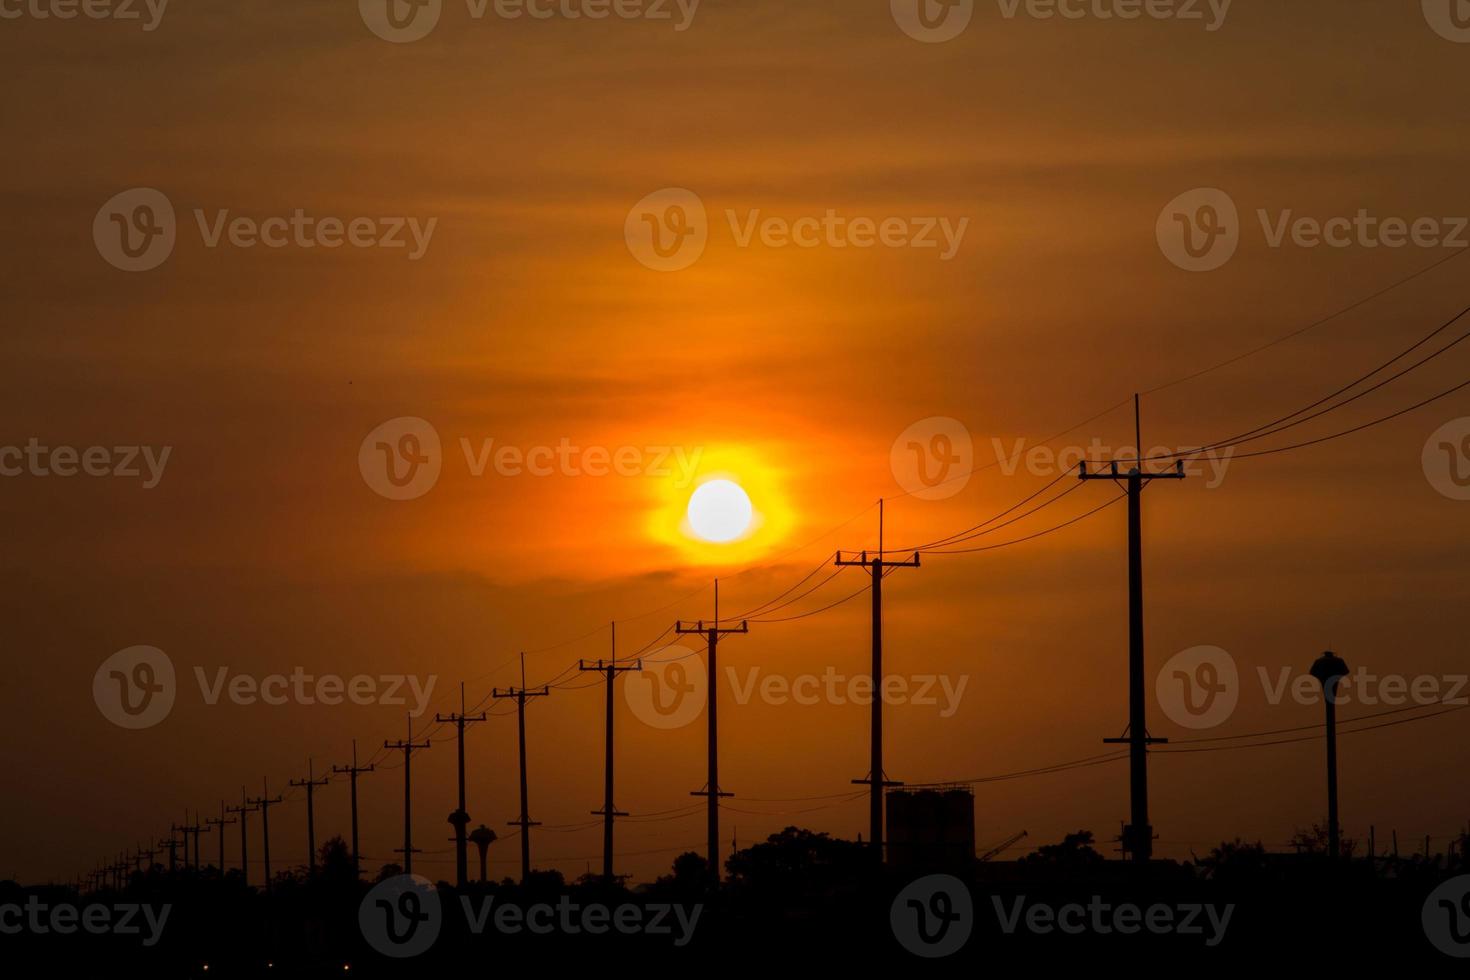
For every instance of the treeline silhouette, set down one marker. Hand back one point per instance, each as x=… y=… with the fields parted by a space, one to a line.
x=796 y=897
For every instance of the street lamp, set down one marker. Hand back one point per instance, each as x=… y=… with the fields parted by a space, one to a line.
x=1329 y=670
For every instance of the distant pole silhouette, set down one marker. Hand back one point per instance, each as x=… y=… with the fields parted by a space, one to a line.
x=172 y=843
x=877 y=778
x=352 y=772
x=245 y=807
x=460 y=818
x=610 y=669
x=196 y=830
x=311 y=783
x=1139 y=834
x=407 y=748
x=520 y=694
x=219 y=825
x=712 y=634
x=264 y=803
x=1329 y=670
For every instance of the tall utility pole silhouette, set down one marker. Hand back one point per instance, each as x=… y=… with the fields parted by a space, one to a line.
x=219 y=825
x=877 y=778
x=525 y=822
x=311 y=783
x=407 y=748
x=610 y=669
x=1138 y=836
x=352 y=772
x=460 y=818
x=712 y=634
x=264 y=803
x=245 y=807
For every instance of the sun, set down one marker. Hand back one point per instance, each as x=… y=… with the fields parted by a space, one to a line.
x=720 y=511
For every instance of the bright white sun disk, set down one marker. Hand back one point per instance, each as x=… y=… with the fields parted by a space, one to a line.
x=720 y=511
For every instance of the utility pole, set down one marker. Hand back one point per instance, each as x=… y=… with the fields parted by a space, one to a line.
x=1139 y=834
x=712 y=634
x=196 y=830
x=407 y=748
x=245 y=807
x=876 y=776
x=352 y=772
x=264 y=803
x=525 y=822
x=610 y=669
x=311 y=783
x=460 y=818
x=1329 y=670
x=220 y=826
x=172 y=843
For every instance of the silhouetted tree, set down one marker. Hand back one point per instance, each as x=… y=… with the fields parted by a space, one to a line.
x=1073 y=853
x=1234 y=861
x=796 y=863
x=1315 y=841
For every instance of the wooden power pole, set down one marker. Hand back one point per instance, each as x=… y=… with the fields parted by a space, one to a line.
x=520 y=694
x=712 y=634
x=610 y=670
x=877 y=778
x=1138 y=836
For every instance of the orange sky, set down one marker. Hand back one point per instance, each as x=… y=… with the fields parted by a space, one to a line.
x=528 y=322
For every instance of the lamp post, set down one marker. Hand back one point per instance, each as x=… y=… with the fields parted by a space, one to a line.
x=1329 y=670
